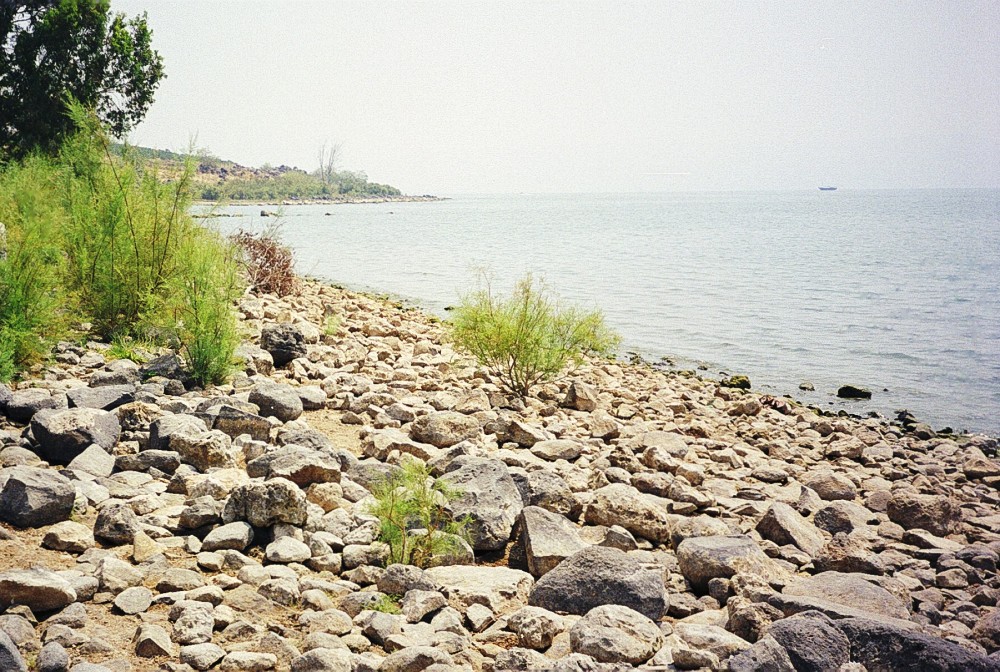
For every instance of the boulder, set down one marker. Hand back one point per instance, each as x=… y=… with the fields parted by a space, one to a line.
x=31 y=497
x=853 y=392
x=581 y=397
x=766 y=655
x=938 y=514
x=615 y=634
x=235 y=421
x=489 y=498
x=501 y=589
x=62 y=435
x=300 y=466
x=599 y=575
x=164 y=430
x=94 y=460
x=323 y=659
x=557 y=449
x=107 y=398
x=235 y=536
x=783 y=525
x=812 y=642
x=116 y=524
x=444 y=428
x=164 y=366
x=887 y=647
x=829 y=485
x=987 y=631
x=711 y=638
x=69 y=536
x=278 y=400
x=535 y=627
x=208 y=450
x=544 y=539
x=38 y=589
x=10 y=658
x=284 y=342
x=858 y=591
x=277 y=500
x=621 y=504
x=23 y=404
x=704 y=558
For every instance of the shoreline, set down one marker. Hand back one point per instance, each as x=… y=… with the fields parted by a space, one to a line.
x=718 y=511
x=427 y=198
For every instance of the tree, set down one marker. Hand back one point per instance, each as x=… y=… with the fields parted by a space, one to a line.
x=328 y=159
x=55 y=50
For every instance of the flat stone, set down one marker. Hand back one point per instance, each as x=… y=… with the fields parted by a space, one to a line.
x=105 y=397
x=324 y=660
x=134 y=600
x=235 y=536
x=287 y=549
x=38 y=589
x=783 y=525
x=202 y=656
x=500 y=589
x=248 y=661
x=852 y=590
x=557 y=449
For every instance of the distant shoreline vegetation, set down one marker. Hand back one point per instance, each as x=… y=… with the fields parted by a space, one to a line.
x=219 y=180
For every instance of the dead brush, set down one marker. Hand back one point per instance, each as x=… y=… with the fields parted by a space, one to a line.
x=268 y=265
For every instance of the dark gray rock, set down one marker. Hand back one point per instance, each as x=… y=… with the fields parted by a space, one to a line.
x=116 y=524
x=885 y=647
x=812 y=642
x=854 y=392
x=62 y=435
x=166 y=461
x=235 y=421
x=52 y=658
x=31 y=497
x=164 y=366
x=598 y=575
x=764 y=656
x=278 y=400
x=10 y=658
x=106 y=398
x=23 y=404
x=284 y=342
x=489 y=498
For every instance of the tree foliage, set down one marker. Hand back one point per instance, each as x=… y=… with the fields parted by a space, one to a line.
x=54 y=50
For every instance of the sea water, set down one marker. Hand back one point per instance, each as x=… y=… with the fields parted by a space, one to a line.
x=896 y=291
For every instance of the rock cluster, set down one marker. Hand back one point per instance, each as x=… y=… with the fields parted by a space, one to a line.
x=624 y=517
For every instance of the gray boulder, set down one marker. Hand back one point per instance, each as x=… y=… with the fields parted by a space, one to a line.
x=10 y=658
x=38 y=589
x=107 y=398
x=31 y=497
x=887 y=647
x=165 y=429
x=704 y=558
x=208 y=450
x=263 y=504
x=489 y=498
x=784 y=525
x=766 y=655
x=234 y=536
x=278 y=400
x=640 y=514
x=23 y=404
x=812 y=642
x=543 y=540
x=858 y=591
x=444 y=428
x=284 y=342
x=116 y=524
x=597 y=576
x=300 y=466
x=235 y=421
x=62 y=435
x=615 y=634
x=94 y=460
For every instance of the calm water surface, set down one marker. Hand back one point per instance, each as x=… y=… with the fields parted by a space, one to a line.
x=891 y=290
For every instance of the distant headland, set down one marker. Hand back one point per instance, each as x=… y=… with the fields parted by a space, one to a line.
x=217 y=179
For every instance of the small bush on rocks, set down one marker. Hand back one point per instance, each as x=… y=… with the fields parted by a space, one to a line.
x=268 y=265
x=411 y=500
x=528 y=337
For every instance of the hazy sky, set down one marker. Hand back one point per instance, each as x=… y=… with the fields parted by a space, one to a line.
x=467 y=97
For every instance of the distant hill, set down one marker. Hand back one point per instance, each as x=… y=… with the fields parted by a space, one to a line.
x=217 y=179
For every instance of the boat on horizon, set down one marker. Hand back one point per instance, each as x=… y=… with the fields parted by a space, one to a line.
x=828 y=188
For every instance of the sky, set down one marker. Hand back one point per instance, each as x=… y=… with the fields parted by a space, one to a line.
x=507 y=97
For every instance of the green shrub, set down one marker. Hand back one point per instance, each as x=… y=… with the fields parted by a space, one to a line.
x=32 y=303
x=411 y=501
x=203 y=294
x=528 y=337
x=387 y=604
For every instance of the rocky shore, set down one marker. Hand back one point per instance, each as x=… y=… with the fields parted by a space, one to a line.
x=621 y=518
